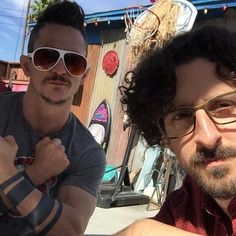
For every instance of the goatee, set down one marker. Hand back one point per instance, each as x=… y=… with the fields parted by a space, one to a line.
x=216 y=181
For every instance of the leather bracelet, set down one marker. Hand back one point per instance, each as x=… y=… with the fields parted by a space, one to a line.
x=45 y=215
x=19 y=192
x=16 y=189
x=47 y=212
x=5 y=204
x=27 y=177
x=10 y=181
x=53 y=221
x=3 y=208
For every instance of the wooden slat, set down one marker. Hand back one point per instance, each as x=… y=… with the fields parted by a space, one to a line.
x=82 y=100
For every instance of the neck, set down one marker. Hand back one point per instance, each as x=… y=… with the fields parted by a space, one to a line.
x=43 y=117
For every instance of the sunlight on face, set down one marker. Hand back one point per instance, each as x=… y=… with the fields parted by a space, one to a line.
x=207 y=153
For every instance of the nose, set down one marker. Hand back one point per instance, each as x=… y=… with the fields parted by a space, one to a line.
x=59 y=68
x=206 y=133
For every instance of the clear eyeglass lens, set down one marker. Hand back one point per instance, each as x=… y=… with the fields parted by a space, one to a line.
x=222 y=110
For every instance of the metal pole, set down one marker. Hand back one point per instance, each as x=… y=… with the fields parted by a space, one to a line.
x=25 y=27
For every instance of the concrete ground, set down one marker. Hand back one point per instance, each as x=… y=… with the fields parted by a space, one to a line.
x=107 y=221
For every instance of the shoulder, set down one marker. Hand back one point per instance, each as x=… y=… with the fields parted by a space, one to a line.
x=10 y=102
x=10 y=97
x=81 y=142
x=80 y=132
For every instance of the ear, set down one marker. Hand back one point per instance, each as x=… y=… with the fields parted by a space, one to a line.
x=24 y=62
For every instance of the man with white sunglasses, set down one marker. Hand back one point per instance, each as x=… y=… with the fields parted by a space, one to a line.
x=183 y=96
x=50 y=165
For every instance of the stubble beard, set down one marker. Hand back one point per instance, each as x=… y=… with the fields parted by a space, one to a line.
x=216 y=181
x=48 y=99
x=53 y=102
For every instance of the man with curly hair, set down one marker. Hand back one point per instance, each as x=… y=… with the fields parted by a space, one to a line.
x=183 y=96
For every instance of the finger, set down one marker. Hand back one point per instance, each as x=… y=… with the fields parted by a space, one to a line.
x=61 y=148
x=56 y=141
x=11 y=140
x=43 y=141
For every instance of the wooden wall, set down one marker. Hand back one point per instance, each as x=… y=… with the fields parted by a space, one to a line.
x=82 y=100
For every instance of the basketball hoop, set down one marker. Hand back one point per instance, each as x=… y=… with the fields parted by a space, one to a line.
x=134 y=24
x=131 y=13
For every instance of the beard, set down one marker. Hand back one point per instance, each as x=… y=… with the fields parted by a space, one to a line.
x=217 y=181
x=53 y=102
x=48 y=99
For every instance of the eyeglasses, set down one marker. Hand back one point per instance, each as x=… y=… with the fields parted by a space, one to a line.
x=180 y=122
x=45 y=58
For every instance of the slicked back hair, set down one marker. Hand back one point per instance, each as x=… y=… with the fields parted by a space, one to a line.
x=63 y=13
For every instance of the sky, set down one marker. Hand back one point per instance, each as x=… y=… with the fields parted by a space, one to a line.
x=13 y=14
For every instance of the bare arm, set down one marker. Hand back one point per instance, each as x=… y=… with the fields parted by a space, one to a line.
x=68 y=215
x=78 y=206
x=150 y=227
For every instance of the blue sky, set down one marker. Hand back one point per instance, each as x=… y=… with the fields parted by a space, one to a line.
x=12 y=20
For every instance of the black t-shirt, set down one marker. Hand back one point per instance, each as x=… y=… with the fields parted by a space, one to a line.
x=87 y=159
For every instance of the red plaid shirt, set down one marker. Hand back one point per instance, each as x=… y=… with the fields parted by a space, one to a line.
x=192 y=210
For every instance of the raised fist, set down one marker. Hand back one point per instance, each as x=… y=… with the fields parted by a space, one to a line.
x=8 y=150
x=50 y=160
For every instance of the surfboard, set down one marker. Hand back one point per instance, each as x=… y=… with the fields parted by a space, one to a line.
x=100 y=124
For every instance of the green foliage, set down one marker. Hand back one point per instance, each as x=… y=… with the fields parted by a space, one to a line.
x=39 y=6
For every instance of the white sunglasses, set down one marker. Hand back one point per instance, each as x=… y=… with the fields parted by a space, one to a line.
x=45 y=58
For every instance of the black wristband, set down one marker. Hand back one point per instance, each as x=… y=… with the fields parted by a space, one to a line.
x=53 y=221
x=18 y=193
x=45 y=215
x=11 y=181
x=5 y=204
x=16 y=189
x=3 y=208
x=27 y=177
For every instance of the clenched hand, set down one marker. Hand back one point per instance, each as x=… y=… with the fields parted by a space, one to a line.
x=50 y=160
x=8 y=150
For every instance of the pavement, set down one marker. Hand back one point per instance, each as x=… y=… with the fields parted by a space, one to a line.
x=107 y=221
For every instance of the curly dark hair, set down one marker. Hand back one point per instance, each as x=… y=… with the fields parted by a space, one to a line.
x=62 y=13
x=152 y=88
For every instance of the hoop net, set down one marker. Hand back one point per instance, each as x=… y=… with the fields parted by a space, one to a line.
x=152 y=27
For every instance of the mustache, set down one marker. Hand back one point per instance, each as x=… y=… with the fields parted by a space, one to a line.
x=219 y=153
x=57 y=78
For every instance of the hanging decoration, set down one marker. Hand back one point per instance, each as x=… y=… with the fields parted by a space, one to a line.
x=110 y=62
x=152 y=27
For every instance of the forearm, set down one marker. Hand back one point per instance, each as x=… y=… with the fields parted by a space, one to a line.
x=37 y=210
x=69 y=224
x=76 y=213
x=48 y=216
x=152 y=228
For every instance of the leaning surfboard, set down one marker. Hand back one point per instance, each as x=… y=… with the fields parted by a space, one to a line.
x=100 y=124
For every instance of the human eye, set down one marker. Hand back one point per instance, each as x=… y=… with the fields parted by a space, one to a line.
x=180 y=115
x=222 y=108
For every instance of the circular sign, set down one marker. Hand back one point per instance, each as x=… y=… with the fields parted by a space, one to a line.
x=110 y=62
